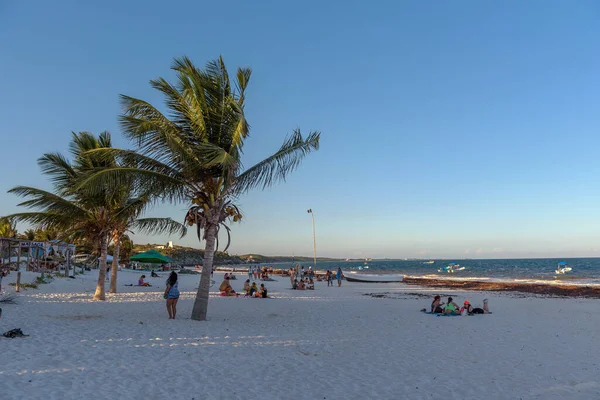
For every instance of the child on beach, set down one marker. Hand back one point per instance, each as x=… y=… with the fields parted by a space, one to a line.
x=253 y=289
x=339 y=276
x=172 y=295
x=329 y=277
x=247 y=286
x=141 y=281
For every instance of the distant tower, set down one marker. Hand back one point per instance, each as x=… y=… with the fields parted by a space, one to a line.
x=170 y=244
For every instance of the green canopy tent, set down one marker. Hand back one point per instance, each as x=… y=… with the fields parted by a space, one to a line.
x=151 y=257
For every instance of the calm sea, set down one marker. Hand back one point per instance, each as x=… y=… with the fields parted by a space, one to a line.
x=585 y=270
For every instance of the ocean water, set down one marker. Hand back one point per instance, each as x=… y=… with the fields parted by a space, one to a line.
x=586 y=271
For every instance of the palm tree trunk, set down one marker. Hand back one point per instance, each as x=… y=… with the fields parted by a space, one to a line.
x=115 y=266
x=201 y=303
x=100 y=293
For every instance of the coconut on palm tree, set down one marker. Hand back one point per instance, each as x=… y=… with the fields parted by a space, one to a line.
x=194 y=153
x=80 y=214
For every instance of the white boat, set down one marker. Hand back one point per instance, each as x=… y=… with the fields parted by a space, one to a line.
x=451 y=268
x=352 y=277
x=563 y=268
x=429 y=262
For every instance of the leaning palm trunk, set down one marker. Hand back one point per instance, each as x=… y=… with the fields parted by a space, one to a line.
x=201 y=303
x=100 y=293
x=115 y=266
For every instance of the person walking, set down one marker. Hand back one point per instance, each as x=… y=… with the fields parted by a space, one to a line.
x=339 y=275
x=328 y=276
x=172 y=295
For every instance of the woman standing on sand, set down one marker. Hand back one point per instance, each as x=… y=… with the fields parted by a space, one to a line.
x=339 y=276
x=172 y=295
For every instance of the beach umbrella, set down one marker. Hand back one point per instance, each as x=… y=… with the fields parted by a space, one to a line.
x=152 y=257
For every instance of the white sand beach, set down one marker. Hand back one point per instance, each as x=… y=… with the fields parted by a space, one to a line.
x=331 y=343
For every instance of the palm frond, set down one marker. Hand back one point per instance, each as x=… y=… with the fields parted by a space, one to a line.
x=58 y=168
x=46 y=201
x=243 y=77
x=159 y=226
x=276 y=167
x=44 y=219
x=146 y=182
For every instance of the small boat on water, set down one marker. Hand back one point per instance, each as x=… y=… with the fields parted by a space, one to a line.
x=562 y=268
x=451 y=268
x=429 y=262
x=353 y=277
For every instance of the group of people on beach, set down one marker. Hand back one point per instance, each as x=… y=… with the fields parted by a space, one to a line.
x=260 y=273
x=250 y=289
x=302 y=279
x=451 y=308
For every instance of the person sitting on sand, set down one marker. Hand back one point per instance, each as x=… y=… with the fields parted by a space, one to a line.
x=451 y=307
x=253 y=289
x=154 y=274
x=311 y=284
x=436 y=305
x=247 y=286
x=141 y=281
x=301 y=285
x=262 y=292
x=225 y=288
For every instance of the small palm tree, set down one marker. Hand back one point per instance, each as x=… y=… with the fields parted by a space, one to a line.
x=80 y=214
x=8 y=228
x=29 y=234
x=194 y=155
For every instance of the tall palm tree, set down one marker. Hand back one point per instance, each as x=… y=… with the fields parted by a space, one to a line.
x=81 y=214
x=193 y=155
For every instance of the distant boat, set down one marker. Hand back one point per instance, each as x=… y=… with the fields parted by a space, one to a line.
x=429 y=262
x=347 y=259
x=562 y=268
x=368 y=259
x=351 y=277
x=451 y=268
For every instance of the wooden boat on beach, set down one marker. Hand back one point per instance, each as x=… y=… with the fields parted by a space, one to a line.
x=352 y=277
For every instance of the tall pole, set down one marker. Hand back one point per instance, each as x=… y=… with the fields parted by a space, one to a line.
x=310 y=211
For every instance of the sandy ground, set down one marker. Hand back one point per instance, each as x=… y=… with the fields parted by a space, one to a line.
x=331 y=343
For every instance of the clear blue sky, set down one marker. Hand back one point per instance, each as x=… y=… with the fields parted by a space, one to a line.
x=450 y=129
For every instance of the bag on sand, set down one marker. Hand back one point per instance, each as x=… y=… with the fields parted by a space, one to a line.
x=13 y=333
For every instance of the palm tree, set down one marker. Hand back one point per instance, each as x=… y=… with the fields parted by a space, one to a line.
x=29 y=234
x=8 y=228
x=80 y=214
x=193 y=155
